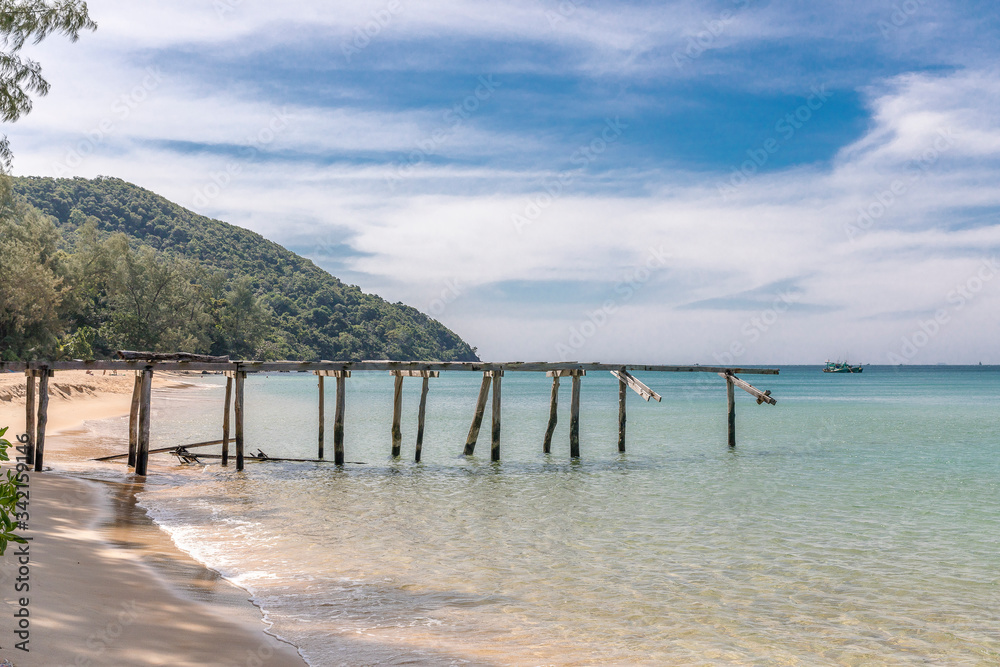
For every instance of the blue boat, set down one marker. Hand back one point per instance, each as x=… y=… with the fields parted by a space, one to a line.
x=841 y=367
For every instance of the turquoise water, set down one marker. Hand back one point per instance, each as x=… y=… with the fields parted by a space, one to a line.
x=857 y=522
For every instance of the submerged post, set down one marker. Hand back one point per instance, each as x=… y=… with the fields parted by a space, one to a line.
x=553 y=415
x=241 y=376
x=338 y=419
x=43 y=417
x=142 y=445
x=322 y=419
x=574 y=417
x=29 y=419
x=495 y=435
x=731 y=402
x=397 y=415
x=133 y=420
x=622 y=395
x=225 y=420
x=420 y=416
x=477 y=419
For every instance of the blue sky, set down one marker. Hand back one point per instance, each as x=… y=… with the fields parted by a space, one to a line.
x=693 y=182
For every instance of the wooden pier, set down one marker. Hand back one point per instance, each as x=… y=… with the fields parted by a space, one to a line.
x=145 y=364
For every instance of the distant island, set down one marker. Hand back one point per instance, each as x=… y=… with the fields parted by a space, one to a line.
x=94 y=265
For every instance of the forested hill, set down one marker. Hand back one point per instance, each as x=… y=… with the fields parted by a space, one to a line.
x=298 y=310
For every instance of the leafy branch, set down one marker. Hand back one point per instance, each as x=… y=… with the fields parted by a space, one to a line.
x=9 y=495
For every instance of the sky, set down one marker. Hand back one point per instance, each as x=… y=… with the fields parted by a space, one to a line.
x=724 y=183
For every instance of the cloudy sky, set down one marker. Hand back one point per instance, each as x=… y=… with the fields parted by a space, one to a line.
x=731 y=182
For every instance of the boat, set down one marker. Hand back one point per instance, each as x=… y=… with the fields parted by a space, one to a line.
x=842 y=367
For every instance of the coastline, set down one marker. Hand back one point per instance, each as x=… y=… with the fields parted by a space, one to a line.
x=108 y=585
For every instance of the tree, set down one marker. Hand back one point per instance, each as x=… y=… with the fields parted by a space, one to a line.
x=21 y=20
x=245 y=321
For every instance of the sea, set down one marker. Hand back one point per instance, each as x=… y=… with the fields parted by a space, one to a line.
x=856 y=522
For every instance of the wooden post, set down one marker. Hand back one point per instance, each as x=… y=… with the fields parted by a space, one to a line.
x=574 y=419
x=420 y=416
x=731 y=400
x=225 y=420
x=29 y=419
x=43 y=417
x=133 y=421
x=397 y=415
x=338 y=420
x=495 y=434
x=241 y=376
x=622 y=394
x=142 y=446
x=477 y=420
x=553 y=416
x=322 y=420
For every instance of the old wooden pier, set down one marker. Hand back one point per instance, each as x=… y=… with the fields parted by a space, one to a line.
x=145 y=364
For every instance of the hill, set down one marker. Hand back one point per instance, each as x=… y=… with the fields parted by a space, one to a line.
x=312 y=315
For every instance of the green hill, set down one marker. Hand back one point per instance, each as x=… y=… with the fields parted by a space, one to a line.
x=310 y=314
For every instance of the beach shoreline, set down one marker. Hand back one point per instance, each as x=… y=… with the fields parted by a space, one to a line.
x=107 y=584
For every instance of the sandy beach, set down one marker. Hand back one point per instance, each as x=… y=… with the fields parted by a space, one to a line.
x=106 y=586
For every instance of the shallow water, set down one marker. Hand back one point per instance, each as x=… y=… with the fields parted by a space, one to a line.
x=857 y=522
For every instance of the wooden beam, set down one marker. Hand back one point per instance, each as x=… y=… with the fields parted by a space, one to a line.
x=397 y=415
x=322 y=420
x=477 y=419
x=417 y=374
x=133 y=420
x=564 y=372
x=622 y=396
x=160 y=450
x=495 y=431
x=334 y=374
x=574 y=419
x=29 y=419
x=225 y=420
x=142 y=445
x=636 y=386
x=128 y=355
x=553 y=416
x=420 y=417
x=238 y=413
x=43 y=418
x=338 y=419
x=761 y=396
x=731 y=402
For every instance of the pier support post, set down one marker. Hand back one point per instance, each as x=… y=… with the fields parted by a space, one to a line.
x=495 y=434
x=241 y=377
x=731 y=403
x=43 y=417
x=477 y=419
x=574 y=417
x=553 y=415
x=322 y=419
x=338 y=419
x=421 y=413
x=142 y=445
x=133 y=420
x=225 y=419
x=622 y=395
x=29 y=419
x=397 y=415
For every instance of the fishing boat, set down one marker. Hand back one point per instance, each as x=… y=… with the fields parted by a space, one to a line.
x=841 y=367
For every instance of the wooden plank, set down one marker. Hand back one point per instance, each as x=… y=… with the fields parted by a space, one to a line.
x=145 y=409
x=334 y=374
x=133 y=420
x=160 y=450
x=477 y=419
x=397 y=415
x=622 y=396
x=43 y=419
x=495 y=431
x=225 y=420
x=574 y=419
x=417 y=374
x=731 y=402
x=338 y=419
x=421 y=413
x=29 y=419
x=761 y=396
x=636 y=386
x=322 y=419
x=239 y=415
x=553 y=416
x=564 y=372
x=129 y=355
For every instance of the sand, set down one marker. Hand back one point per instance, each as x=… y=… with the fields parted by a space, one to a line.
x=108 y=587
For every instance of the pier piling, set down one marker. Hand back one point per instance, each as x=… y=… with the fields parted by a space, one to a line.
x=241 y=376
x=322 y=419
x=553 y=414
x=495 y=432
x=338 y=419
x=225 y=420
x=43 y=417
x=477 y=419
x=133 y=420
x=622 y=395
x=420 y=417
x=142 y=446
x=574 y=417
x=397 y=415
x=29 y=419
x=731 y=403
